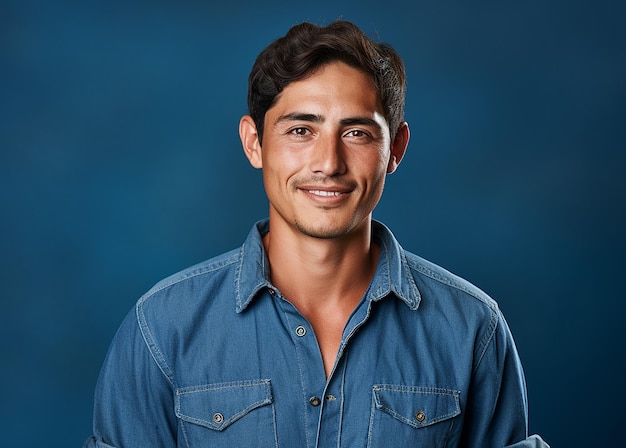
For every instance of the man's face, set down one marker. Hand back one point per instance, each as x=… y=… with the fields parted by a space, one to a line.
x=325 y=153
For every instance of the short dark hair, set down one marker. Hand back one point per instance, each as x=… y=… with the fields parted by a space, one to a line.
x=307 y=47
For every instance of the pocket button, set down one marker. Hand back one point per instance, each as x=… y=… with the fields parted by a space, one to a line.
x=218 y=418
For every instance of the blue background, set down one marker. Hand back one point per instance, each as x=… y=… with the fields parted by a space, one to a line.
x=120 y=164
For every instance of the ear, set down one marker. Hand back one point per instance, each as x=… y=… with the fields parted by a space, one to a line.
x=398 y=147
x=250 y=141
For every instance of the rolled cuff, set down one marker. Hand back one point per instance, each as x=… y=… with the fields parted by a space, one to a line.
x=533 y=441
x=96 y=442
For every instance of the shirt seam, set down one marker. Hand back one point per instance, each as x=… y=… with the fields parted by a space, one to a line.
x=153 y=348
x=472 y=291
x=475 y=293
x=198 y=270
x=144 y=327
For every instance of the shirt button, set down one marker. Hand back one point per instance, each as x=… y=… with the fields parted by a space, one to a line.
x=420 y=416
x=218 y=418
x=300 y=330
x=315 y=401
x=271 y=291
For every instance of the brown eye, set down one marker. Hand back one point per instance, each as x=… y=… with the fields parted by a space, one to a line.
x=357 y=133
x=300 y=132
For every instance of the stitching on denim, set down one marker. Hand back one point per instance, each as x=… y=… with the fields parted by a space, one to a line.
x=342 y=385
x=299 y=361
x=390 y=286
x=405 y=265
x=275 y=426
x=228 y=422
x=382 y=291
x=409 y=422
x=455 y=282
x=387 y=287
x=370 y=430
x=150 y=341
x=184 y=431
x=201 y=269
x=384 y=236
x=462 y=285
x=238 y=278
x=418 y=390
x=242 y=304
x=486 y=341
x=153 y=348
x=222 y=386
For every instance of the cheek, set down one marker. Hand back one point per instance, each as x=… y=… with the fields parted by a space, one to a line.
x=283 y=164
x=278 y=172
x=373 y=158
x=378 y=183
x=373 y=170
x=376 y=180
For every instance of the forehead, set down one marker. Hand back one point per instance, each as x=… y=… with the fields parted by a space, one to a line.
x=332 y=88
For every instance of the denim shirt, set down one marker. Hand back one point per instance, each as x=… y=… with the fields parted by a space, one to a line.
x=216 y=356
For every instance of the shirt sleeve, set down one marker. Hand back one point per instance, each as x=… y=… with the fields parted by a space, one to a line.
x=134 y=400
x=533 y=441
x=93 y=442
x=497 y=408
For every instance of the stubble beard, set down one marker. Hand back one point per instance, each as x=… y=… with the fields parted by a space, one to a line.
x=328 y=228
x=324 y=233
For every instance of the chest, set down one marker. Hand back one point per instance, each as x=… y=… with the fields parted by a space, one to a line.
x=274 y=378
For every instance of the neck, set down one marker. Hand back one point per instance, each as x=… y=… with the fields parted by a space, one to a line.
x=314 y=273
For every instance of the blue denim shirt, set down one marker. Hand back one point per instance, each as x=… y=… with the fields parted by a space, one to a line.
x=215 y=356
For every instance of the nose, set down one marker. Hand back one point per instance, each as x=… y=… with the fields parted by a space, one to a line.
x=328 y=156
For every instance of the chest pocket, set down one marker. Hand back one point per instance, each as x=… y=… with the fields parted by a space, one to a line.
x=227 y=414
x=421 y=416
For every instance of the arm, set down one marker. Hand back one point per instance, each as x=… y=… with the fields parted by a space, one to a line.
x=134 y=399
x=497 y=408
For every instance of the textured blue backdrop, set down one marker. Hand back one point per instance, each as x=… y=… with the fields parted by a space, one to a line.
x=120 y=164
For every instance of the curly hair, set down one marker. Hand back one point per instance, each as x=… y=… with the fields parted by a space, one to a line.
x=307 y=47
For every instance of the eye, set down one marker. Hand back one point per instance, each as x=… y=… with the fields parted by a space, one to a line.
x=300 y=132
x=357 y=133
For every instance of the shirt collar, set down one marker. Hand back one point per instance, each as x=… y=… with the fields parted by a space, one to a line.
x=392 y=273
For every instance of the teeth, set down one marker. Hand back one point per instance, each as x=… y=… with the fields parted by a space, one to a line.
x=324 y=193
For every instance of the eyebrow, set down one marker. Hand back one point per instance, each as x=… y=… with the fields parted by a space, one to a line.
x=300 y=116
x=314 y=118
x=363 y=121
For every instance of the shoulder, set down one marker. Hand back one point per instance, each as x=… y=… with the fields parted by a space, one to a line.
x=181 y=304
x=466 y=309
x=429 y=275
x=419 y=280
x=186 y=287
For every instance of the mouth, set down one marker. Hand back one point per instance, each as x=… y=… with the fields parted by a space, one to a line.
x=325 y=193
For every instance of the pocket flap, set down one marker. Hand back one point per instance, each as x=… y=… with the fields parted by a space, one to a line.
x=217 y=406
x=417 y=406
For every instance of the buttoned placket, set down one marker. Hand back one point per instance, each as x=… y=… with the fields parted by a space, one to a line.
x=323 y=409
x=331 y=418
x=309 y=364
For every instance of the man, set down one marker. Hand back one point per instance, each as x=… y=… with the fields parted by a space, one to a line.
x=320 y=331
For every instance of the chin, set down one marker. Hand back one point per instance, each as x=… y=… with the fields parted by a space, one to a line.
x=326 y=232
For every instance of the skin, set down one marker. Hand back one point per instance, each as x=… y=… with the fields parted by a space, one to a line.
x=325 y=155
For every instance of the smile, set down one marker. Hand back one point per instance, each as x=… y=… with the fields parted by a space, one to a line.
x=325 y=193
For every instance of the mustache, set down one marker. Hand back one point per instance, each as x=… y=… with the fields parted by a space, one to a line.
x=324 y=181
